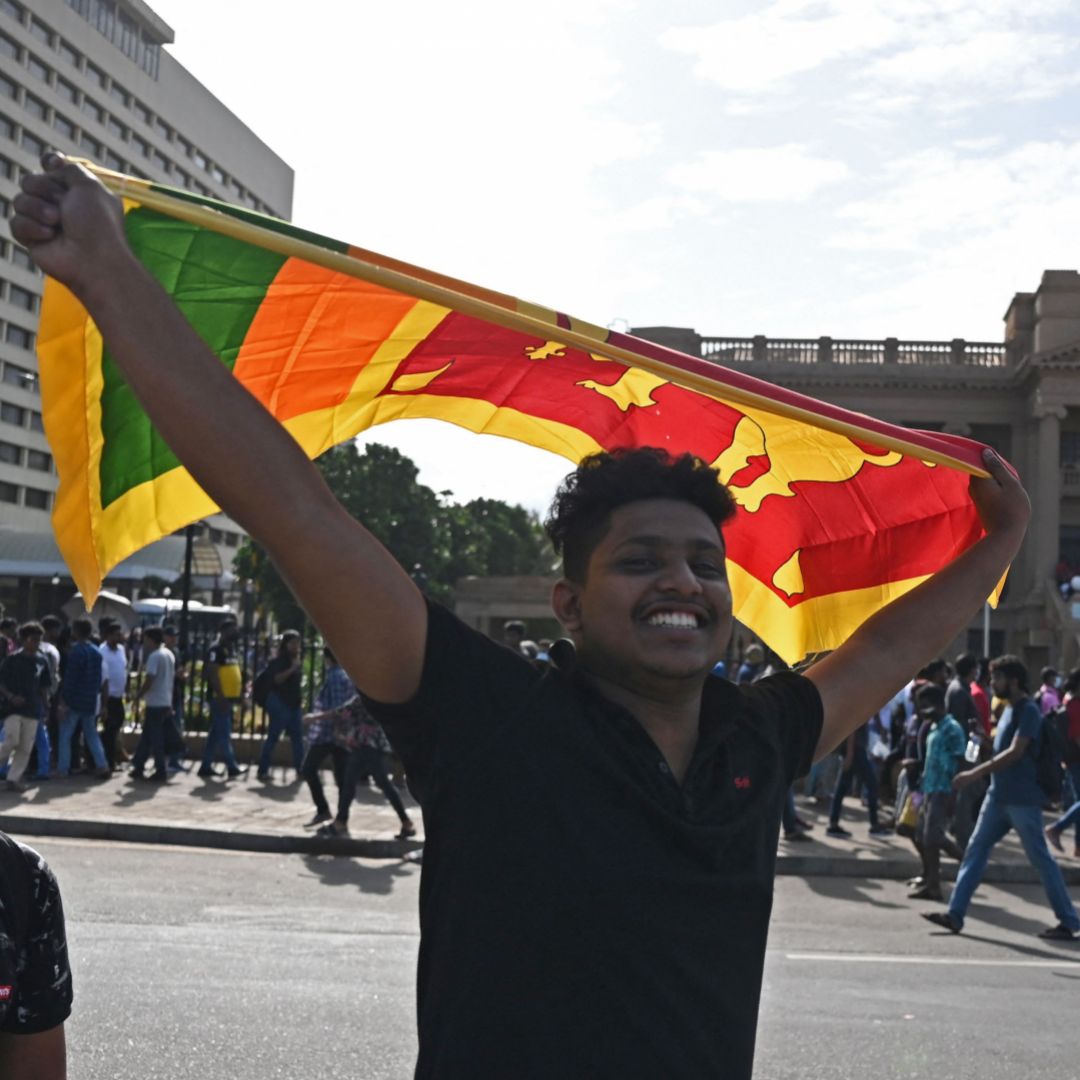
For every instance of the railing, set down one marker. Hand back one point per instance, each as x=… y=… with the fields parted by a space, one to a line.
x=843 y=351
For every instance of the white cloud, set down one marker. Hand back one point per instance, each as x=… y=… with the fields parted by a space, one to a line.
x=758 y=174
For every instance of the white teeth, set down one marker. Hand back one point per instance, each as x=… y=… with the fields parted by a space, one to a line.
x=676 y=619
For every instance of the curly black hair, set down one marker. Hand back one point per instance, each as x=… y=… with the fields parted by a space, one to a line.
x=582 y=507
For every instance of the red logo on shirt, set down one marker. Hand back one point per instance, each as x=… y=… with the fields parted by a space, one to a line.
x=742 y=782
x=5 y=993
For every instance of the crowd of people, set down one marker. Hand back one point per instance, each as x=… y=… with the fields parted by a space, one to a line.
x=67 y=693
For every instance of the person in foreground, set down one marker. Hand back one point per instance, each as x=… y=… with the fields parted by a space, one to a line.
x=35 y=979
x=601 y=840
x=1014 y=801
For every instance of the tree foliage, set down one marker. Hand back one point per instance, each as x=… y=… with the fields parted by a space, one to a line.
x=437 y=542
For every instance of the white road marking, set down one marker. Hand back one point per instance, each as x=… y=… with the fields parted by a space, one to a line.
x=951 y=961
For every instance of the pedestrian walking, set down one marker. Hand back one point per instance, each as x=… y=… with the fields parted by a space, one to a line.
x=113 y=687
x=156 y=690
x=223 y=680
x=1071 y=816
x=1014 y=801
x=283 y=704
x=24 y=694
x=319 y=728
x=367 y=746
x=857 y=763
x=80 y=694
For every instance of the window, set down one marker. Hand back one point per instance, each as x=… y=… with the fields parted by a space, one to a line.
x=129 y=36
x=8 y=87
x=22 y=298
x=182 y=178
x=8 y=47
x=63 y=125
x=163 y=129
x=21 y=377
x=118 y=93
x=40 y=31
x=36 y=498
x=12 y=414
x=10 y=454
x=232 y=539
x=21 y=338
x=7 y=171
x=217 y=174
x=95 y=74
x=32 y=144
x=21 y=257
x=67 y=91
x=93 y=109
x=38 y=459
x=38 y=69
x=70 y=54
x=185 y=146
x=161 y=161
x=141 y=111
x=116 y=128
x=34 y=106
x=9 y=493
x=7 y=128
x=105 y=17
x=141 y=145
x=9 y=7
x=36 y=423
x=90 y=145
x=198 y=158
x=113 y=162
x=149 y=62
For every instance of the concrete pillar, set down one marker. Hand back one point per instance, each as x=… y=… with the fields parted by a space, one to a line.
x=1044 y=531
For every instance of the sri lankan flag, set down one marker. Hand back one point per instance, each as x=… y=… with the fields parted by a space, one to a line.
x=838 y=513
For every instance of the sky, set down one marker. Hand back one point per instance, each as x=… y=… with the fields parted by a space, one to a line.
x=856 y=168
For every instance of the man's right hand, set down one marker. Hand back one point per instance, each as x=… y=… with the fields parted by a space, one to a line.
x=71 y=225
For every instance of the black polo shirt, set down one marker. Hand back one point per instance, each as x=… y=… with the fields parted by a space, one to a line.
x=35 y=980
x=581 y=914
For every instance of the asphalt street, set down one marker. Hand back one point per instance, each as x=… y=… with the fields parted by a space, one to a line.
x=228 y=966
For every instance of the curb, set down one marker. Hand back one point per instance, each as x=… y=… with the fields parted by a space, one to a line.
x=183 y=836
x=896 y=867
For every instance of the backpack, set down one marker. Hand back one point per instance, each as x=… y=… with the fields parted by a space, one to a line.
x=263 y=684
x=1071 y=750
x=1050 y=754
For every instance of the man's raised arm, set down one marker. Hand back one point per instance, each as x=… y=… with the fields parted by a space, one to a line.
x=868 y=669
x=366 y=606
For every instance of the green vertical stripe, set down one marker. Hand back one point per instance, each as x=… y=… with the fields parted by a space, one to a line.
x=218 y=284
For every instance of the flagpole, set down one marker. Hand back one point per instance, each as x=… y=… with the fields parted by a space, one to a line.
x=509 y=318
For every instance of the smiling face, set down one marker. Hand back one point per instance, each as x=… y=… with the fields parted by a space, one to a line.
x=655 y=605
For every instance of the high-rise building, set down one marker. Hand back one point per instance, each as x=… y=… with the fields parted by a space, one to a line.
x=91 y=77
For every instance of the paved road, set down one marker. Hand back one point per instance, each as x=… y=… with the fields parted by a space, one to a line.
x=217 y=966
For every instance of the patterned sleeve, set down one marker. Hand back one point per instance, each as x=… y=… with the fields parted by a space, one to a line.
x=43 y=991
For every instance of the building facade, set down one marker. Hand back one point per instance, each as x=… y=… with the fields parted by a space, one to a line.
x=91 y=78
x=1020 y=395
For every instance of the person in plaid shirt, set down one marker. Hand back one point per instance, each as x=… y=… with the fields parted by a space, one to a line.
x=367 y=746
x=335 y=691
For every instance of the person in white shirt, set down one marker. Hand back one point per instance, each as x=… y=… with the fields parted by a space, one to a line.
x=113 y=685
x=156 y=689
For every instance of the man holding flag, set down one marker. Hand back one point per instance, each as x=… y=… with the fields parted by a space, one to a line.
x=600 y=840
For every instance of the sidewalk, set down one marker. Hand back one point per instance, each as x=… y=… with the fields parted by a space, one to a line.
x=242 y=815
x=247 y=815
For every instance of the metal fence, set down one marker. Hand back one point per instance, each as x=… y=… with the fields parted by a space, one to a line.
x=253 y=651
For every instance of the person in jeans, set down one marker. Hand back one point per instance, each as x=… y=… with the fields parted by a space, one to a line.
x=1072 y=765
x=856 y=763
x=175 y=749
x=24 y=694
x=283 y=704
x=335 y=691
x=224 y=681
x=114 y=671
x=156 y=688
x=368 y=746
x=1014 y=801
x=79 y=695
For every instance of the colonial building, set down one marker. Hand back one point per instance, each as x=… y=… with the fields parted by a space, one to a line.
x=1020 y=396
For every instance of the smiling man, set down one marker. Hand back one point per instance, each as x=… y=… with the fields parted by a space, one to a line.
x=601 y=839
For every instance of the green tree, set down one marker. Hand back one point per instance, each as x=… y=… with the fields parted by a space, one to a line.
x=436 y=542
